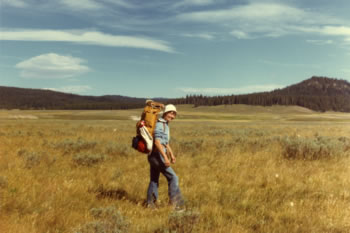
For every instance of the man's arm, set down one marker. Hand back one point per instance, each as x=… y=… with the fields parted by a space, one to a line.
x=160 y=148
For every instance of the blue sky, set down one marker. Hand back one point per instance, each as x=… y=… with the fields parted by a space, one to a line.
x=167 y=48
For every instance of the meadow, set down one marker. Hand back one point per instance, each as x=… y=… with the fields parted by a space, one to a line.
x=241 y=169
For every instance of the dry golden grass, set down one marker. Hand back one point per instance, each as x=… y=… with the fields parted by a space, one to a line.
x=55 y=171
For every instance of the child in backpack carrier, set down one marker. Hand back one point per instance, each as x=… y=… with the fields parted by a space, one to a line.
x=143 y=142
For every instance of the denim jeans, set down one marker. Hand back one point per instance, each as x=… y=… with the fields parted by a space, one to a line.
x=157 y=166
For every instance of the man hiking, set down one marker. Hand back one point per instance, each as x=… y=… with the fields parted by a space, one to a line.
x=160 y=163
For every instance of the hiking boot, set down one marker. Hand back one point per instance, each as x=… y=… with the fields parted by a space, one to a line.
x=152 y=206
x=179 y=205
x=179 y=208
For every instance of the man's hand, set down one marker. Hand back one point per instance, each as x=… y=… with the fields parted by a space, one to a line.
x=166 y=162
x=172 y=158
x=171 y=154
x=160 y=148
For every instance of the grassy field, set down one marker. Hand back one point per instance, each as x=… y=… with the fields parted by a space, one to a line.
x=241 y=169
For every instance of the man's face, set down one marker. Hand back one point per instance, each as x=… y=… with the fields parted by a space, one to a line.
x=169 y=116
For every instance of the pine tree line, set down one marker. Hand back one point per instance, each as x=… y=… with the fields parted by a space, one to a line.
x=317 y=93
x=316 y=103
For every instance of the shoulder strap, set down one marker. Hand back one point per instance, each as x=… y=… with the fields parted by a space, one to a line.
x=163 y=126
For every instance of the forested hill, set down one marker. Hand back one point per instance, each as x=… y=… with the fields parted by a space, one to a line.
x=316 y=93
x=318 y=86
x=23 y=98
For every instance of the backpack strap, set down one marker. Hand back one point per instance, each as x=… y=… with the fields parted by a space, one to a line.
x=163 y=126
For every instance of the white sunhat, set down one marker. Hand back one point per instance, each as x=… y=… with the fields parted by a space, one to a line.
x=170 y=108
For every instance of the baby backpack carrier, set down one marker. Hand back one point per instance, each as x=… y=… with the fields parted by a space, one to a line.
x=143 y=142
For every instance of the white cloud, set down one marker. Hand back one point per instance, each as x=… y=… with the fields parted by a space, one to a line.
x=71 y=89
x=256 y=20
x=336 y=31
x=340 y=31
x=320 y=42
x=240 y=34
x=13 y=3
x=52 y=66
x=193 y=3
x=252 y=12
x=206 y=36
x=85 y=37
x=199 y=2
x=325 y=30
x=75 y=5
x=121 y=3
x=253 y=20
x=230 y=91
x=82 y=4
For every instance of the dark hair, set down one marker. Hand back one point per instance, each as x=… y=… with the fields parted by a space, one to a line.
x=169 y=112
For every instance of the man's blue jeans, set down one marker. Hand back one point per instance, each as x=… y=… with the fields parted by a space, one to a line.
x=156 y=162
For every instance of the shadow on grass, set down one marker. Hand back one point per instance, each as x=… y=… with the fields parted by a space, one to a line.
x=116 y=194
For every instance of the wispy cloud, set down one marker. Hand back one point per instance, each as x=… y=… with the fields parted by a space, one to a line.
x=251 y=12
x=206 y=36
x=86 y=37
x=52 y=66
x=71 y=89
x=230 y=91
x=193 y=3
x=325 y=30
x=240 y=34
x=82 y=4
x=76 y=5
x=13 y=3
x=199 y=2
x=122 y=3
x=336 y=31
x=320 y=42
x=255 y=20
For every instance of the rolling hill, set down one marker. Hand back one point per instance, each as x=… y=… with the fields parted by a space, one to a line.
x=317 y=93
x=23 y=98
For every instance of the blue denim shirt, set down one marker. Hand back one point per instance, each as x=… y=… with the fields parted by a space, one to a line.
x=161 y=131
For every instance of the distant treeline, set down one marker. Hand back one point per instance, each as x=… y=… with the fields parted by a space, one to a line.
x=22 y=98
x=318 y=93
